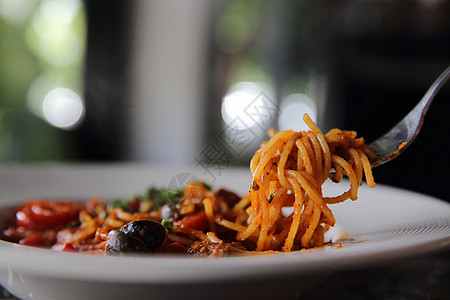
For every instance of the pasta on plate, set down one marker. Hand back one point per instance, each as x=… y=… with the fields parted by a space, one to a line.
x=284 y=210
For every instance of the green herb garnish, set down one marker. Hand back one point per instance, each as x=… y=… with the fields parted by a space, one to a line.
x=119 y=203
x=161 y=197
x=166 y=223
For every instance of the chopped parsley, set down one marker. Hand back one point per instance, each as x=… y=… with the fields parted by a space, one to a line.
x=161 y=197
x=158 y=196
x=119 y=203
x=166 y=223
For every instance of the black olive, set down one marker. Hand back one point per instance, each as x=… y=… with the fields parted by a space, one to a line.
x=151 y=233
x=119 y=243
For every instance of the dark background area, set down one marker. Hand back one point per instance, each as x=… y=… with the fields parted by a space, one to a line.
x=379 y=59
x=102 y=137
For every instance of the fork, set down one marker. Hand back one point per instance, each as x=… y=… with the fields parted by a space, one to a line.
x=400 y=137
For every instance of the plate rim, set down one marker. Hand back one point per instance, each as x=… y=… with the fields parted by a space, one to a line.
x=13 y=256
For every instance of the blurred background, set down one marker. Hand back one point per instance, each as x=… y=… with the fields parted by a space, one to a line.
x=200 y=82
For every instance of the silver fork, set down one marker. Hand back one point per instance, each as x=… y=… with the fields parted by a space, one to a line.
x=396 y=140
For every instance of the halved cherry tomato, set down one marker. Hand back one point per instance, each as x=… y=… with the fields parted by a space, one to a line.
x=175 y=247
x=33 y=240
x=40 y=214
x=195 y=221
x=134 y=204
x=65 y=247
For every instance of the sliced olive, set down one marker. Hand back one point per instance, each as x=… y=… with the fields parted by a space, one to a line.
x=151 y=233
x=119 y=243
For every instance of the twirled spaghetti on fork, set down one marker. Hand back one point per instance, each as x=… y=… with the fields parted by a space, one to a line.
x=289 y=170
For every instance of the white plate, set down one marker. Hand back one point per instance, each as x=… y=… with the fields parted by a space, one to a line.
x=386 y=224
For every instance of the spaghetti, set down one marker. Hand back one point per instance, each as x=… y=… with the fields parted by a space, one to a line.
x=284 y=211
x=289 y=170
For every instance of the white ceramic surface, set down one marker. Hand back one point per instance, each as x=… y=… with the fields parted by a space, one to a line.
x=386 y=224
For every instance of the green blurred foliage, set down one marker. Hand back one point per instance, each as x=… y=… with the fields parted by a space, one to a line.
x=24 y=135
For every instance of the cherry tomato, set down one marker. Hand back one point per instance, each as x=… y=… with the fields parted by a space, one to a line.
x=65 y=247
x=24 y=219
x=40 y=214
x=134 y=204
x=175 y=247
x=33 y=240
x=196 y=221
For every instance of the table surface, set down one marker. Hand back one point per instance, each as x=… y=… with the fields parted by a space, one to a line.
x=424 y=277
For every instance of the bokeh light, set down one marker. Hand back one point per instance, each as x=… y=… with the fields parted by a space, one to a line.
x=246 y=105
x=63 y=108
x=16 y=11
x=56 y=40
x=59 y=12
x=292 y=109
